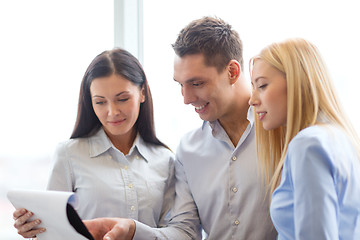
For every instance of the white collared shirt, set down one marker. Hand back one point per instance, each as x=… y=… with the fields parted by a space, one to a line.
x=139 y=185
x=218 y=188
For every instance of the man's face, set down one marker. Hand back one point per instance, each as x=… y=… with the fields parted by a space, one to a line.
x=202 y=86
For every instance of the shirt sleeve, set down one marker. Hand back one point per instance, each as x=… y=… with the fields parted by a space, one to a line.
x=315 y=198
x=60 y=178
x=184 y=223
x=169 y=195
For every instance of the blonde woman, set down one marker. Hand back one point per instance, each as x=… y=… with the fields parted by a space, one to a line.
x=309 y=151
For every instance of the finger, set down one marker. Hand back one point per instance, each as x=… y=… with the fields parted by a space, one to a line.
x=117 y=233
x=29 y=230
x=19 y=212
x=33 y=233
x=123 y=231
x=96 y=228
x=21 y=220
x=26 y=227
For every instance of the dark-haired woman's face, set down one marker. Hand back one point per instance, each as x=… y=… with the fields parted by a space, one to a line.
x=116 y=102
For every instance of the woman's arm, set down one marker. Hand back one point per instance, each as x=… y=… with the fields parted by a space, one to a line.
x=315 y=197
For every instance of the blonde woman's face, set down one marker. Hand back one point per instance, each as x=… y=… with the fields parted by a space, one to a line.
x=269 y=95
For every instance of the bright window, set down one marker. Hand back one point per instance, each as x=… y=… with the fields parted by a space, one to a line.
x=331 y=25
x=45 y=48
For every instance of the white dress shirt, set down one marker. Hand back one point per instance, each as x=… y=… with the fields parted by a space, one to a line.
x=139 y=185
x=218 y=188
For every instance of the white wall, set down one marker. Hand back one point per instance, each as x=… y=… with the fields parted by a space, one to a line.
x=332 y=25
x=45 y=49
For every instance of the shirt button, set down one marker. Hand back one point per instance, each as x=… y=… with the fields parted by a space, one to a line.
x=132 y=208
x=126 y=167
x=237 y=222
x=130 y=185
x=110 y=157
x=234 y=158
x=235 y=189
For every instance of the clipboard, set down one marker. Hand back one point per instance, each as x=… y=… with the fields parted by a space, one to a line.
x=55 y=209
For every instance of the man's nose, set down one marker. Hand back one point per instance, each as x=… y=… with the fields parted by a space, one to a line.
x=188 y=95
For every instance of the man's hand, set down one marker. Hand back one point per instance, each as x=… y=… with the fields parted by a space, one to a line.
x=111 y=228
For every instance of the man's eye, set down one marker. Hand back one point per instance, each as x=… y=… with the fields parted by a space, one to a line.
x=197 y=84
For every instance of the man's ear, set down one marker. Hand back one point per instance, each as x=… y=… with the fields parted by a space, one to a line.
x=234 y=70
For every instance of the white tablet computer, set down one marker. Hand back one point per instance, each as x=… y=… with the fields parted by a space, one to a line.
x=56 y=211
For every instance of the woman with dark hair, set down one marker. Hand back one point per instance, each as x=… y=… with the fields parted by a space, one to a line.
x=113 y=161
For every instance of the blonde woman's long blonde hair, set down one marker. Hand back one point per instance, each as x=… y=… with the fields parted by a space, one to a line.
x=310 y=91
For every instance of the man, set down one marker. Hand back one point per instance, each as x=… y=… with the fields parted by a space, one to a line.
x=217 y=185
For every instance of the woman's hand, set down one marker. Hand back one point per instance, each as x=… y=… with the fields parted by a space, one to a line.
x=111 y=228
x=26 y=228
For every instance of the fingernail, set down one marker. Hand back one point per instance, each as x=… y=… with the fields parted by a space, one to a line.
x=37 y=221
x=29 y=214
x=107 y=238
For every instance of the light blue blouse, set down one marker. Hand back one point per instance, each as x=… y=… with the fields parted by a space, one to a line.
x=218 y=188
x=319 y=194
x=139 y=185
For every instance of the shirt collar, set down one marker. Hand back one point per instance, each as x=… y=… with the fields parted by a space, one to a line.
x=141 y=147
x=251 y=115
x=100 y=143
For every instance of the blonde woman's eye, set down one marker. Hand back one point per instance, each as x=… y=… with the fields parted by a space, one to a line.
x=263 y=86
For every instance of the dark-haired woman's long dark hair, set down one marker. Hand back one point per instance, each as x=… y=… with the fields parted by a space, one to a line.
x=121 y=62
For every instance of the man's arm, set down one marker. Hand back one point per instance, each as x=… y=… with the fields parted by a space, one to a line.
x=184 y=223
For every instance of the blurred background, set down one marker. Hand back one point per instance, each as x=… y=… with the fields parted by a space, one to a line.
x=46 y=46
